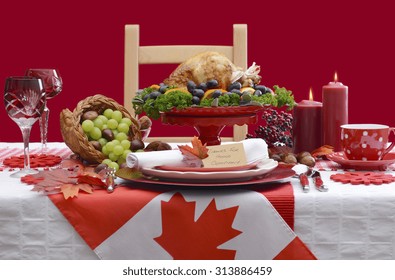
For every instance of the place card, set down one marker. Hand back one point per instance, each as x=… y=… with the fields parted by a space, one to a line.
x=227 y=155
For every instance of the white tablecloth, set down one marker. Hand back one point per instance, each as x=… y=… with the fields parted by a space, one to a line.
x=31 y=227
x=348 y=222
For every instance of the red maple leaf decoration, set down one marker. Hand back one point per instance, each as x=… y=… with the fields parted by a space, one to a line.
x=185 y=239
x=72 y=177
x=197 y=150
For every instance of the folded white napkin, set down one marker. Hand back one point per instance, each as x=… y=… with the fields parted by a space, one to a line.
x=255 y=149
x=155 y=158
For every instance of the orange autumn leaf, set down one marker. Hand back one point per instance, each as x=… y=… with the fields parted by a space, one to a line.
x=50 y=180
x=91 y=178
x=197 y=150
x=322 y=151
x=72 y=164
x=69 y=190
x=67 y=181
x=72 y=190
x=86 y=188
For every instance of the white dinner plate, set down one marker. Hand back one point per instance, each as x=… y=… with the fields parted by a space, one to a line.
x=263 y=167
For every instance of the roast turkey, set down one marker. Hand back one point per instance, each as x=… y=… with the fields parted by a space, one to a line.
x=212 y=65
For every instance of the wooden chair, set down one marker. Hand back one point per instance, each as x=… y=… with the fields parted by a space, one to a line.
x=175 y=54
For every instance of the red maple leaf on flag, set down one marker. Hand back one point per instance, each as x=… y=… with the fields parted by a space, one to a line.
x=183 y=238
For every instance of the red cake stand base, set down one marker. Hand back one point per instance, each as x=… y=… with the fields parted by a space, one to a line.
x=210 y=121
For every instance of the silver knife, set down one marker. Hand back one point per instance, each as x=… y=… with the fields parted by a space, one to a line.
x=319 y=184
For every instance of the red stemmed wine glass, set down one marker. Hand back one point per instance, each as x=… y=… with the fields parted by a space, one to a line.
x=53 y=86
x=24 y=102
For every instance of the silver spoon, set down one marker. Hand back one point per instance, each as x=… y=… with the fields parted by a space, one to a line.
x=302 y=172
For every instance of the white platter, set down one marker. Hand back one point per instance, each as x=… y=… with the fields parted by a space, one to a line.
x=262 y=168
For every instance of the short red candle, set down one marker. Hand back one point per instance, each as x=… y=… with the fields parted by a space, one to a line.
x=334 y=112
x=307 y=129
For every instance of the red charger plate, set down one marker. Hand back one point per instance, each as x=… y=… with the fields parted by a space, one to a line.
x=279 y=174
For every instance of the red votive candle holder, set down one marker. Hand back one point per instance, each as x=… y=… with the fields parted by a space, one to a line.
x=307 y=128
x=334 y=112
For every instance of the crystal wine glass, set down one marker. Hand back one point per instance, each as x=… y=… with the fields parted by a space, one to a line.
x=53 y=86
x=24 y=102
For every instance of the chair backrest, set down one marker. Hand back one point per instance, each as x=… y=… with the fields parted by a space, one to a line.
x=174 y=54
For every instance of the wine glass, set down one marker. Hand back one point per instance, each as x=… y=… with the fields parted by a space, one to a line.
x=53 y=86
x=24 y=101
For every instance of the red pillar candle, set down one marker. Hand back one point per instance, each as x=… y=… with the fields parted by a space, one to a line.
x=307 y=128
x=334 y=112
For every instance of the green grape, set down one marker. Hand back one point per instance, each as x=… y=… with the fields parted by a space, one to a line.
x=125 y=153
x=115 y=132
x=105 y=150
x=113 y=156
x=112 y=124
x=116 y=142
x=121 y=136
x=127 y=121
x=98 y=123
x=103 y=118
x=113 y=165
x=87 y=126
x=116 y=115
x=102 y=141
x=123 y=127
x=104 y=127
x=120 y=161
x=125 y=144
x=95 y=133
x=110 y=146
x=118 y=150
x=108 y=113
x=106 y=161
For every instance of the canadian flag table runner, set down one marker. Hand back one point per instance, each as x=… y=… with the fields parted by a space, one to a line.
x=166 y=223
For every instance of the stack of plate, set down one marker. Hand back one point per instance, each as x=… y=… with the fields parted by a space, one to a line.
x=259 y=172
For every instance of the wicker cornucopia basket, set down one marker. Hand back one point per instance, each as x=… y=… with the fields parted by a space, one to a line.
x=72 y=132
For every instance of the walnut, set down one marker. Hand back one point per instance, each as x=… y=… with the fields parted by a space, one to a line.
x=89 y=115
x=136 y=144
x=276 y=157
x=302 y=155
x=307 y=160
x=289 y=158
x=157 y=146
x=145 y=122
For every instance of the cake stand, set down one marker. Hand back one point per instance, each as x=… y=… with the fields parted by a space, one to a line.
x=210 y=121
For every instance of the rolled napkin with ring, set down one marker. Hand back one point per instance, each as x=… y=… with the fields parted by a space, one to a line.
x=254 y=148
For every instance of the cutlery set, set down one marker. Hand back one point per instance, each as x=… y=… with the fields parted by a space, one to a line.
x=304 y=176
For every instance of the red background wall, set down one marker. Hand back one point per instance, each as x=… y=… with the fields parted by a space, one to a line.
x=299 y=45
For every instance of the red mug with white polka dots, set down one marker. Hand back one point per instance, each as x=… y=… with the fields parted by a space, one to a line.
x=366 y=141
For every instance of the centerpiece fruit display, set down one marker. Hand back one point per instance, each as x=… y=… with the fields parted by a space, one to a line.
x=209 y=79
x=100 y=130
x=208 y=91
